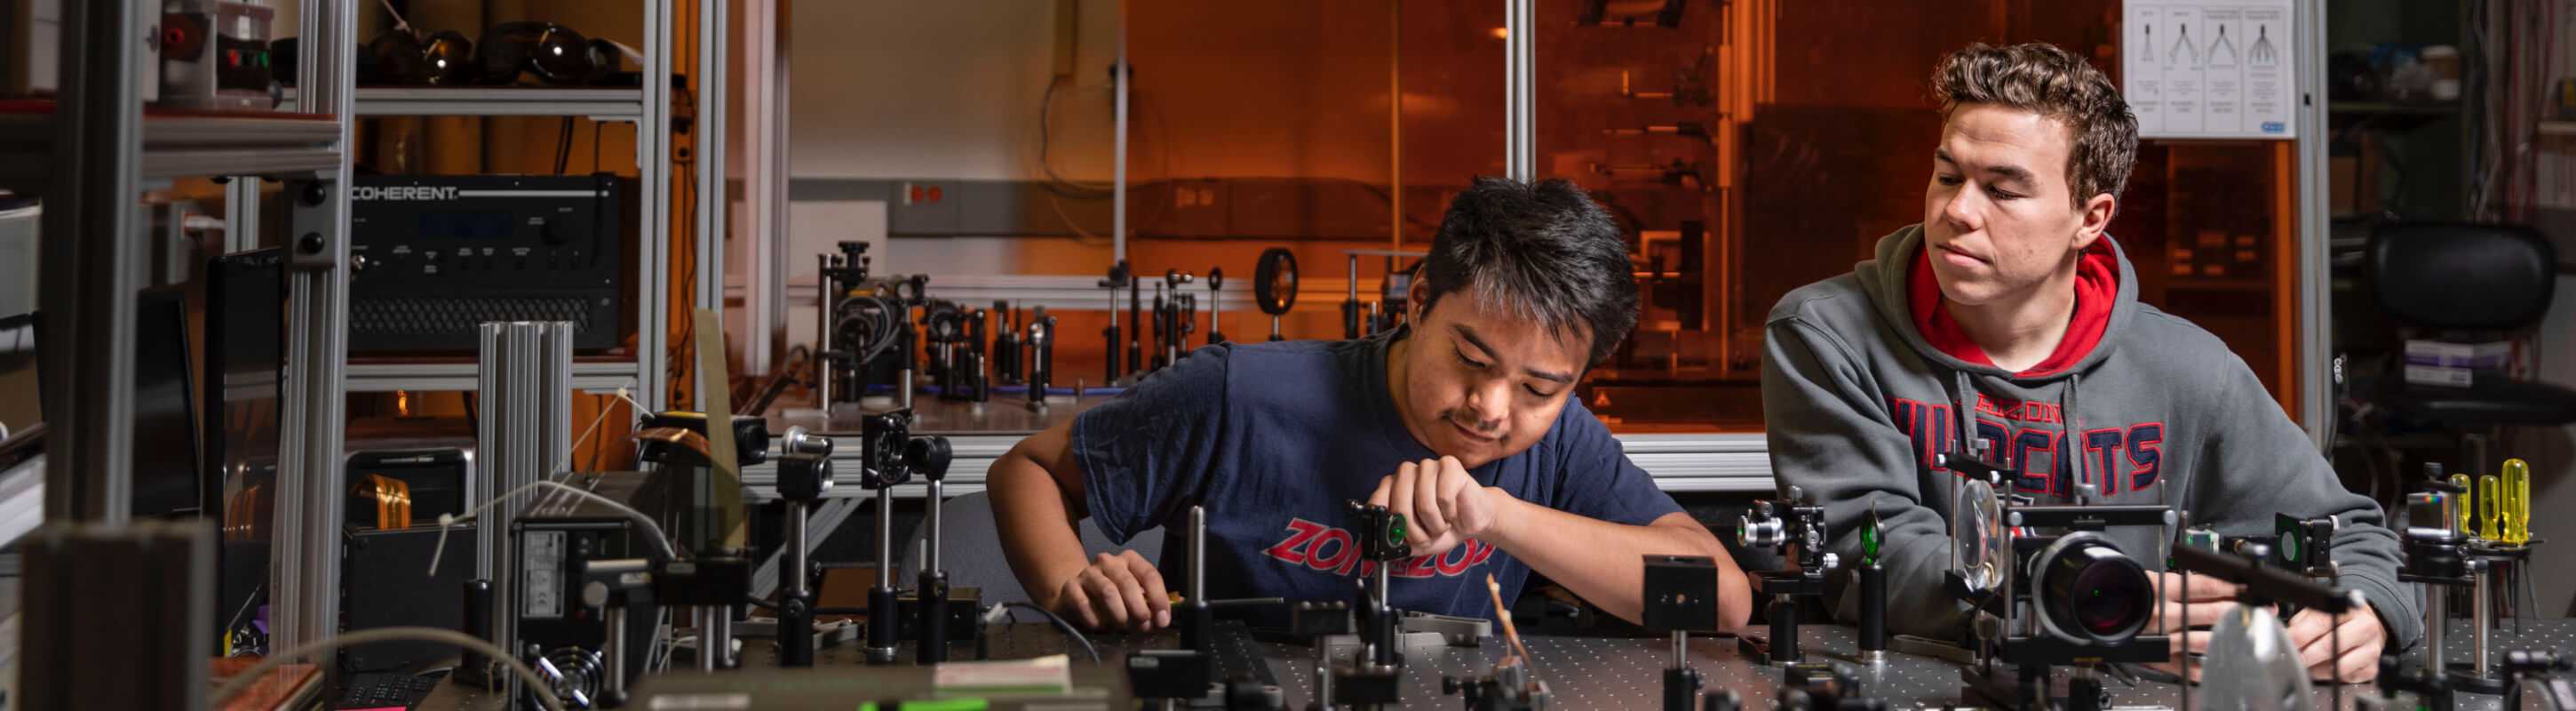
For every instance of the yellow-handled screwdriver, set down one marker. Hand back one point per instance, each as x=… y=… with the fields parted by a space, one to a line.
x=2467 y=504
x=2517 y=501
x=2489 y=506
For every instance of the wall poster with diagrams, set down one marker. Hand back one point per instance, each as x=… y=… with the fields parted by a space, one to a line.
x=2210 y=68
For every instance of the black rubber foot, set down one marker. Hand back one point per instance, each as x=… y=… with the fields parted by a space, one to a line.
x=1757 y=650
x=2464 y=677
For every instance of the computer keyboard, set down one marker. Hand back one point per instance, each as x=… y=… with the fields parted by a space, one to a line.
x=381 y=690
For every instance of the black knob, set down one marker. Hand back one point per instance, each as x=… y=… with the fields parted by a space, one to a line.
x=546 y=231
x=1216 y=278
x=928 y=456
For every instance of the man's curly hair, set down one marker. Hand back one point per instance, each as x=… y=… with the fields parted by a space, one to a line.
x=2052 y=82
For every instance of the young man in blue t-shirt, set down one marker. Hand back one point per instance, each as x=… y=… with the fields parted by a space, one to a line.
x=1462 y=421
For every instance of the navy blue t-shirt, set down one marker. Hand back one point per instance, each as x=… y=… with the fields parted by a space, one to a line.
x=1275 y=438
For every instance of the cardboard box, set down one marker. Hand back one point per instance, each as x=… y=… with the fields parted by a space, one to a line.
x=2492 y=355
x=2438 y=376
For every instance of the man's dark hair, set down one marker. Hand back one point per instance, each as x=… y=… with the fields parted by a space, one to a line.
x=1543 y=252
x=2052 y=82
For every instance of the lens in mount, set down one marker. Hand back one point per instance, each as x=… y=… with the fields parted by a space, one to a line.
x=2089 y=591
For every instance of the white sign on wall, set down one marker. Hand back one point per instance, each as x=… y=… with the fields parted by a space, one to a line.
x=2210 y=68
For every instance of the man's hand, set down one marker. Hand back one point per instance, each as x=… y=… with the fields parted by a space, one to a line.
x=1442 y=505
x=1121 y=592
x=2210 y=598
x=2363 y=640
x=2362 y=636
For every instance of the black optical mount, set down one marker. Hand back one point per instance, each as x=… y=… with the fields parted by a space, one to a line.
x=2056 y=550
x=1041 y=344
x=2262 y=583
x=1873 y=593
x=2543 y=669
x=1371 y=678
x=804 y=473
x=1216 y=305
x=1823 y=686
x=1681 y=598
x=955 y=336
x=928 y=455
x=1118 y=278
x=1274 y=285
x=1188 y=673
x=1175 y=317
x=882 y=438
x=1006 y=345
x=1793 y=528
x=1135 y=319
x=2436 y=558
x=1507 y=688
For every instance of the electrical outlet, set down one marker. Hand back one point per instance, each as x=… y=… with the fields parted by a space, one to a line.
x=916 y=194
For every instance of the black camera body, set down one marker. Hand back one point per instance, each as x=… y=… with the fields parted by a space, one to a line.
x=2070 y=596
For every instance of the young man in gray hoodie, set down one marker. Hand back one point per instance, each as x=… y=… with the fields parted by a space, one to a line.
x=2008 y=318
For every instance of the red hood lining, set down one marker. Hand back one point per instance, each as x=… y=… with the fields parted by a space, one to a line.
x=2097 y=288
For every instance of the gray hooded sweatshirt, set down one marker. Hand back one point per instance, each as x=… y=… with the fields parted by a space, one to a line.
x=2160 y=412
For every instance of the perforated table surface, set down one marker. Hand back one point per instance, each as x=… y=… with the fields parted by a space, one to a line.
x=1616 y=672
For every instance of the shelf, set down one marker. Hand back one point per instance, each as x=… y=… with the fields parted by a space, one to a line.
x=462 y=377
x=1728 y=463
x=180 y=143
x=2387 y=116
x=2386 y=107
x=1084 y=293
x=597 y=103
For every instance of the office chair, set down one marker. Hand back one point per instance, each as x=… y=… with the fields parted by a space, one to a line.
x=2466 y=281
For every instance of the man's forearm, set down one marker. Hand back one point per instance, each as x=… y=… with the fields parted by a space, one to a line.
x=1036 y=525
x=1605 y=562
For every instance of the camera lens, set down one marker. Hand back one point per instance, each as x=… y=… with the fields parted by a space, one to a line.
x=2091 y=592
